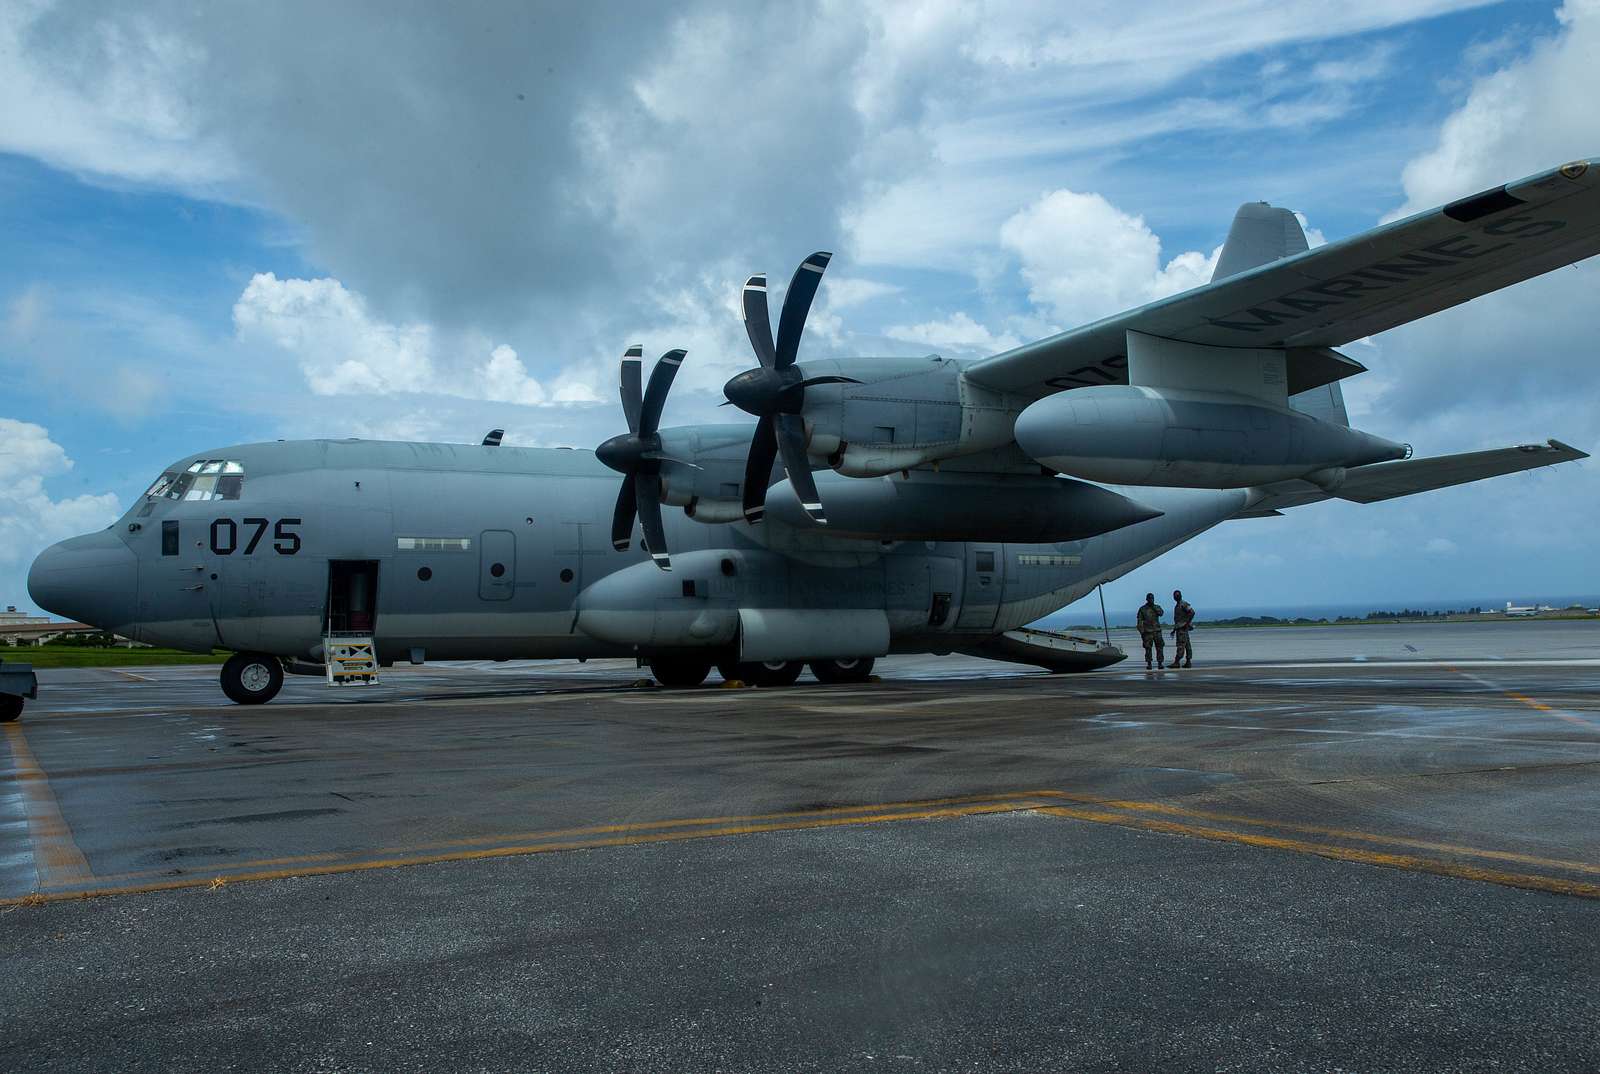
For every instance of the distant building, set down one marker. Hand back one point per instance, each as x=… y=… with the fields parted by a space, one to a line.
x=18 y=626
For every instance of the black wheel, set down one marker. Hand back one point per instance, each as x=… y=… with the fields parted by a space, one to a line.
x=853 y=669
x=680 y=671
x=252 y=678
x=10 y=707
x=768 y=673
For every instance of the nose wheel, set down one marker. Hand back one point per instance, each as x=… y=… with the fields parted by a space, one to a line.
x=252 y=678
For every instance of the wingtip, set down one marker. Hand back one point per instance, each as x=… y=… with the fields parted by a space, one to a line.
x=634 y=353
x=1568 y=449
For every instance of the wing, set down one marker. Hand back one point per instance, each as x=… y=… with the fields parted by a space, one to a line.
x=1387 y=480
x=1343 y=291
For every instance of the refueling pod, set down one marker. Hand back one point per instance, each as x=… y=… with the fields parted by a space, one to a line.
x=1130 y=435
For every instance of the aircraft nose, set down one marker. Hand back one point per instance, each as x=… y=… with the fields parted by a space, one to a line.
x=91 y=579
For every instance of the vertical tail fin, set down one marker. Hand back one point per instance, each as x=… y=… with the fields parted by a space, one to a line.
x=1260 y=234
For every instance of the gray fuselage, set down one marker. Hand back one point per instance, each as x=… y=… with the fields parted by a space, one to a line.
x=486 y=553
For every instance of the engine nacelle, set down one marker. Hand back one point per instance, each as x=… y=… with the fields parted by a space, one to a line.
x=752 y=603
x=924 y=506
x=901 y=413
x=1129 y=435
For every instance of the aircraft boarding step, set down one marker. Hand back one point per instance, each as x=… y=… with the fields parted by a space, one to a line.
x=1049 y=650
x=351 y=659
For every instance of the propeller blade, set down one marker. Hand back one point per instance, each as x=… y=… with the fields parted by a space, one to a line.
x=757 y=322
x=758 y=469
x=631 y=360
x=622 y=518
x=655 y=396
x=796 y=304
x=792 y=443
x=647 y=488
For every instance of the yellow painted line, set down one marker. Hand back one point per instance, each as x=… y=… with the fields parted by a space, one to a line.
x=1020 y=800
x=797 y=823
x=56 y=858
x=1337 y=833
x=1530 y=881
x=1532 y=703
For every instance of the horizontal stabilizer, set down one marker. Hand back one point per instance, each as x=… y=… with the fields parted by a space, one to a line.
x=1388 y=480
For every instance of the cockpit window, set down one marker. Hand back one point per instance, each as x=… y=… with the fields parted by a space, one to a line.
x=207 y=479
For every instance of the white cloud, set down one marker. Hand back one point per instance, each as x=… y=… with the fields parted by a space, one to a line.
x=1533 y=114
x=1084 y=259
x=30 y=519
x=957 y=332
x=344 y=349
x=119 y=104
x=1441 y=546
x=846 y=292
x=25 y=314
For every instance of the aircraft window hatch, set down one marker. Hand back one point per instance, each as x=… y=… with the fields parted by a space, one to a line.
x=985 y=562
x=169 y=537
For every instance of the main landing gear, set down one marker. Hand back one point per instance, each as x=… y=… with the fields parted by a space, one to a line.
x=770 y=673
x=689 y=671
x=856 y=669
x=252 y=678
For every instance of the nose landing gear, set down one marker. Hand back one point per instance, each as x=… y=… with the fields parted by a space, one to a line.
x=252 y=678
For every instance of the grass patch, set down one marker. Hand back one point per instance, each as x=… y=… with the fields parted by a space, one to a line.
x=85 y=656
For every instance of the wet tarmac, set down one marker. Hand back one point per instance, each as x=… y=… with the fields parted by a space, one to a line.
x=1368 y=848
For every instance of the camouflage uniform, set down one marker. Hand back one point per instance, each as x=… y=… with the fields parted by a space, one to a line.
x=1182 y=624
x=1149 y=623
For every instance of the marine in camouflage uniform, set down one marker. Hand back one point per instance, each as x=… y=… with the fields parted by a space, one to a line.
x=1149 y=623
x=1182 y=624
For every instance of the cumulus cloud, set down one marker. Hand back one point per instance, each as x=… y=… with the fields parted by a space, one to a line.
x=957 y=332
x=1084 y=259
x=344 y=349
x=30 y=519
x=1529 y=116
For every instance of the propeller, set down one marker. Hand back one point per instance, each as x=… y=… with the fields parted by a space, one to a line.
x=775 y=390
x=636 y=454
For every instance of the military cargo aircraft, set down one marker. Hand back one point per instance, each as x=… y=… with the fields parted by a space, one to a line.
x=879 y=505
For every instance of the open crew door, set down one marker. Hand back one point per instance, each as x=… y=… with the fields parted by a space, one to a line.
x=349 y=645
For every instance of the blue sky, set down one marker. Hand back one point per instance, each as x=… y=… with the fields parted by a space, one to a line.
x=222 y=225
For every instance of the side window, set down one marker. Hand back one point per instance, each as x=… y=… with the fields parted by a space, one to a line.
x=985 y=562
x=169 y=537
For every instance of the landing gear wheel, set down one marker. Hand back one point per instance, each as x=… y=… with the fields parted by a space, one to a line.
x=252 y=678
x=680 y=671
x=10 y=707
x=854 y=669
x=768 y=673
